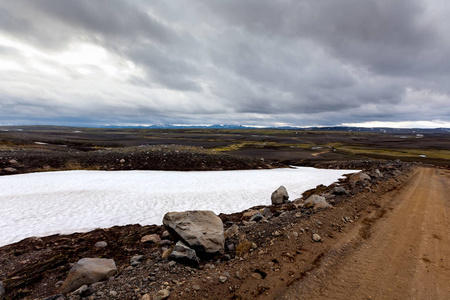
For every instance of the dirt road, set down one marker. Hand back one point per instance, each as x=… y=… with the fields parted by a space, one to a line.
x=400 y=252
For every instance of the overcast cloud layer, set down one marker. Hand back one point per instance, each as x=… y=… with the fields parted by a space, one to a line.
x=254 y=62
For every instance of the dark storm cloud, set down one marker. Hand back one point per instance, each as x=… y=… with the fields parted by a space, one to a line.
x=256 y=61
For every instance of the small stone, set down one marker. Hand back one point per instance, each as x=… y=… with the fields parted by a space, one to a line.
x=113 y=293
x=166 y=253
x=256 y=217
x=80 y=290
x=10 y=170
x=161 y=294
x=165 y=235
x=151 y=239
x=146 y=297
x=222 y=279
x=135 y=263
x=172 y=263
x=238 y=275
x=122 y=161
x=59 y=283
x=316 y=237
x=256 y=275
x=137 y=258
x=233 y=230
x=101 y=244
x=267 y=213
x=276 y=233
x=152 y=278
x=196 y=287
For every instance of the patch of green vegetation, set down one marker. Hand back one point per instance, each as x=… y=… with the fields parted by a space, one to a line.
x=429 y=153
x=258 y=145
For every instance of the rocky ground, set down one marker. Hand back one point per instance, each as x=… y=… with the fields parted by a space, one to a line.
x=26 y=159
x=266 y=250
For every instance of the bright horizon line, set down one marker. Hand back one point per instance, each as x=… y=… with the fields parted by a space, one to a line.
x=372 y=124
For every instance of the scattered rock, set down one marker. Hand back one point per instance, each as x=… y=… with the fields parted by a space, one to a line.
x=359 y=177
x=138 y=258
x=166 y=253
x=113 y=293
x=183 y=254
x=339 y=190
x=10 y=170
x=222 y=279
x=256 y=217
x=267 y=213
x=376 y=174
x=150 y=239
x=279 y=196
x=316 y=202
x=83 y=291
x=101 y=244
x=200 y=230
x=88 y=271
x=196 y=287
x=233 y=230
x=146 y=297
x=165 y=235
x=316 y=237
x=161 y=295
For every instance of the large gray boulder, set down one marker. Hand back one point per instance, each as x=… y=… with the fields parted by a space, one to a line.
x=200 y=230
x=316 y=202
x=88 y=271
x=183 y=254
x=279 y=196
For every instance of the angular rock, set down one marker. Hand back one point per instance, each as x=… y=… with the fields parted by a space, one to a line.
x=339 y=190
x=279 y=196
x=200 y=230
x=101 y=244
x=146 y=297
x=185 y=255
x=161 y=295
x=10 y=170
x=88 y=271
x=138 y=258
x=256 y=217
x=316 y=202
x=316 y=237
x=376 y=174
x=151 y=239
x=360 y=177
x=233 y=230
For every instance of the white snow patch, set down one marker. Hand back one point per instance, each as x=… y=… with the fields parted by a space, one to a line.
x=42 y=204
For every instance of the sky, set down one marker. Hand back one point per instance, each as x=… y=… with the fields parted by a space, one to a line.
x=251 y=62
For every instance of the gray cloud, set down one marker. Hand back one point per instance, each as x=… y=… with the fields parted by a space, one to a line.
x=256 y=62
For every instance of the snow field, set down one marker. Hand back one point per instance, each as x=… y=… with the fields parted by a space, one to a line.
x=42 y=204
